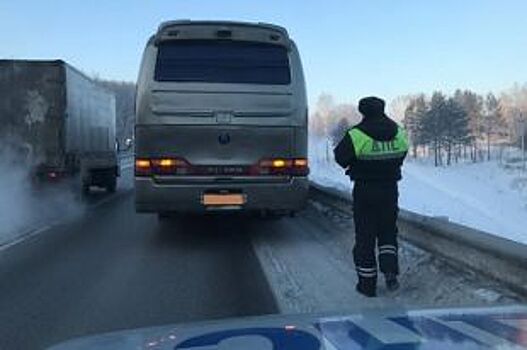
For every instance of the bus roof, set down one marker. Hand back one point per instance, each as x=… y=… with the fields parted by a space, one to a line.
x=186 y=22
x=229 y=30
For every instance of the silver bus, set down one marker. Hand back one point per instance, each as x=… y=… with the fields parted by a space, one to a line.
x=221 y=120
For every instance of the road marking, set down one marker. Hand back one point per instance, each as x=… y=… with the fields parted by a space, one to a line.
x=29 y=234
x=108 y=199
x=36 y=231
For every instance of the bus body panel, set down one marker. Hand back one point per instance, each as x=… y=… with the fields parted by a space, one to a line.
x=221 y=123
x=246 y=145
x=187 y=197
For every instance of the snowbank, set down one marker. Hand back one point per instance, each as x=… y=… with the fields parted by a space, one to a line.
x=484 y=196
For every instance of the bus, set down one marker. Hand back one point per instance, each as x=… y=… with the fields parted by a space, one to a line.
x=221 y=120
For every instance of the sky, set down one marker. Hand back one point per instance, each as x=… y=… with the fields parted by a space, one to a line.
x=349 y=48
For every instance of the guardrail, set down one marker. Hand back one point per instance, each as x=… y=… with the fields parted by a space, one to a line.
x=125 y=155
x=498 y=258
x=126 y=160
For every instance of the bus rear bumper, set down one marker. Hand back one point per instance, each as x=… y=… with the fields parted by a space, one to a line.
x=151 y=197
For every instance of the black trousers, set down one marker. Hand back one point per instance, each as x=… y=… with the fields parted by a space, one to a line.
x=375 y=211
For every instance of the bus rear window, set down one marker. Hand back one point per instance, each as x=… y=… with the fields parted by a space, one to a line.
x=222 y=62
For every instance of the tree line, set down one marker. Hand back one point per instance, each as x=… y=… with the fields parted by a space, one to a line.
x=454 y=127
x=331 y=119
x=463 y=125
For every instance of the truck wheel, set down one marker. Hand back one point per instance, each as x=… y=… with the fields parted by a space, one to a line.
x=111 y=186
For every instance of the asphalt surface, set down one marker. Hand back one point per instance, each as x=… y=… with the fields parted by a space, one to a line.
x=106 y=268
x=112 y=269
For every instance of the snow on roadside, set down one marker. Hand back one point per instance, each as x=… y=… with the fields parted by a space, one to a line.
x=308 y=264
x=478 y=195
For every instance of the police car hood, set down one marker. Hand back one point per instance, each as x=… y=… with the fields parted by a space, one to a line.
x=468 y=328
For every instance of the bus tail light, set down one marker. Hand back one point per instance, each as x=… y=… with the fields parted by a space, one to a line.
x=169 y=166
x=160 y=166
x=143 y=167
x=300 y=167
x=179 y=166
x=300 y=163
x=280 y=166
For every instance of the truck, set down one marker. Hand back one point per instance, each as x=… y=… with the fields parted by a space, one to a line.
x=58 y=123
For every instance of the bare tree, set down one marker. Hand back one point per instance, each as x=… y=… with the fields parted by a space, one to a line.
x=513 y=102
x=493 y=119
x=398 y=106
x=339 y=130
x=413 y=121
x=329 y=119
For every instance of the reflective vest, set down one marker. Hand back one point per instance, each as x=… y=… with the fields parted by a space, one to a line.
x=367 y=148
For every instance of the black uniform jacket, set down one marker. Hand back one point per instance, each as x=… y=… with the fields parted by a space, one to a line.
x=381 y=128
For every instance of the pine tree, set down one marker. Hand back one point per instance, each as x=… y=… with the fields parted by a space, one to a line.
x=455 y=130
x=473 y=105
x=434 y=125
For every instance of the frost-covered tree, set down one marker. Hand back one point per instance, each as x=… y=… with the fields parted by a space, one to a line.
x=413 y=121
x=339 y=130
x=493 y=119
x=320 y=121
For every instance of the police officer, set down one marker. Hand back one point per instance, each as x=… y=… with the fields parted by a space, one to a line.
x=372 y=153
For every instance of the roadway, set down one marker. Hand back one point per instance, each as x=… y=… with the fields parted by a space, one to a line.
x=113 y=269
x=110 y=269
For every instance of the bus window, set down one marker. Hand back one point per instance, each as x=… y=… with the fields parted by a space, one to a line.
x=222 y=62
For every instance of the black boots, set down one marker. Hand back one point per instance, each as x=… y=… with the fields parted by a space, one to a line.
x=367 y=292
x=392 y=284
x=367 y=286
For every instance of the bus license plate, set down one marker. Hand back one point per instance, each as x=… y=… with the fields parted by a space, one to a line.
x=215 y=199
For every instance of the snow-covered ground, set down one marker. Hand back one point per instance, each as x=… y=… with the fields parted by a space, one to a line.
x=308 y=263
x=484 y=195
